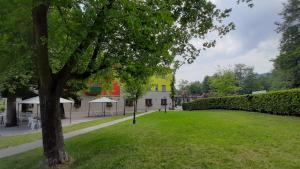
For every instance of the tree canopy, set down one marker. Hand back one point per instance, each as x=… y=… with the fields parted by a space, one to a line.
x=224 y=83
x=288 y=61
x=17 y=68
x=67 y=40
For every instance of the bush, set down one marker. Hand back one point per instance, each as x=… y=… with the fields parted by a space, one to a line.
x=284 y=102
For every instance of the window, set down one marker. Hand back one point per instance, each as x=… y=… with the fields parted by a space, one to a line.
x=164 y=88
x=163 y=76
x=163 y=102
x=129 y=102
x=148 y=102
x=156 y=88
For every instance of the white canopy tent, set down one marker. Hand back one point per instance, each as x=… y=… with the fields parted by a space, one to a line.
x=36 y=101
x=103 y=100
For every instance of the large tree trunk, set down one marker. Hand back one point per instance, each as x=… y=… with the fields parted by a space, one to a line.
x=53 y=141
x=11 y=116
x=50 y=89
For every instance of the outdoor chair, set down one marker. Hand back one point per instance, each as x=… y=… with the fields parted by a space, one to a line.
x=22 y=118
x=33 y=123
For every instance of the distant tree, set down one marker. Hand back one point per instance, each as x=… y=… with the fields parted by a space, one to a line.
x=176 y=66
x=136 y=84
x=288 y=65
x=206 y=85
x=250 y=84
x=183 y=89
x=195 y=88
x=224 y=83
x=289 y=58
x=271 y=81
x=246 y=78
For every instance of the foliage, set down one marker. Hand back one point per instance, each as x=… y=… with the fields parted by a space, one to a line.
x=190 y=88
x=241 y=76
x=129 y=32
x=246 y=78
x=176 y=66
x=285 y=102
x=289 y=65
x=17 y=68
x=183 y=88
x=136 y=82
x=136 y=88
x=224 y=83
x=195 y=88
x=205 y=85
x=288 y=61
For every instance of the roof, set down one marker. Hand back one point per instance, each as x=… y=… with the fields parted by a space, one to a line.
x=103 y=100
x=36 y=100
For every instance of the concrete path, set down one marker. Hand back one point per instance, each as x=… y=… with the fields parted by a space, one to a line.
x=10 y=151
x=24 y=129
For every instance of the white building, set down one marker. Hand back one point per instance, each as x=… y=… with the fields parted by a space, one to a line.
x=157 y=98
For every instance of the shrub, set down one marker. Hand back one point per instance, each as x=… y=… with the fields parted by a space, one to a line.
x=284 y=102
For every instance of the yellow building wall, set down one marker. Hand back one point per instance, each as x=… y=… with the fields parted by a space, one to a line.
x=160 y=80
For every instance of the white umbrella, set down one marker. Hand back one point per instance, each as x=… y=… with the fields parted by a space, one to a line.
x=36 y=100
x=102 y=100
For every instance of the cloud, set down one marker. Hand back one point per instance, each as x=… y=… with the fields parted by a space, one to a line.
x=259 y=57
x=254 y=42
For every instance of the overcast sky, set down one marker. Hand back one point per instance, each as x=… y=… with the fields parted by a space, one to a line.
x=254 y=42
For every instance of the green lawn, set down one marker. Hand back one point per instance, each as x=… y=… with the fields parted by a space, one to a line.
x=178 y=140
x=7 y=141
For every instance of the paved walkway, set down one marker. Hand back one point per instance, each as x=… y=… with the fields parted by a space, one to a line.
x=24 y=129
x=10 y=151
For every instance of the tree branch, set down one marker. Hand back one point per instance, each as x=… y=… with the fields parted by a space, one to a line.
x=91 y=71
x=65 y=73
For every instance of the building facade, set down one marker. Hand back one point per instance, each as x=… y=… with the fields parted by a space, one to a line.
x=156 y=98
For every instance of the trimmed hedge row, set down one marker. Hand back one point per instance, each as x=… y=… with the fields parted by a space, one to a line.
x=284 y=102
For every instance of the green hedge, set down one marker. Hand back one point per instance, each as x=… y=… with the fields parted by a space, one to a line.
x=284 y=102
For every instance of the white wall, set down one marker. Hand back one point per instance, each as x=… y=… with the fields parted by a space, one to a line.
x=96 y=108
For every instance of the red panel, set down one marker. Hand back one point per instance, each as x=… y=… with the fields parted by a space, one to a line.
x=115 y=91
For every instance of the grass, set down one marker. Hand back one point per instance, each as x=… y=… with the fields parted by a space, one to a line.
x=184 y=140
x=7 y=141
